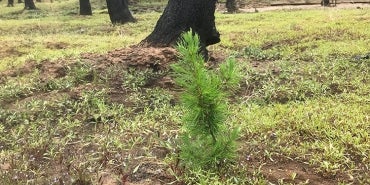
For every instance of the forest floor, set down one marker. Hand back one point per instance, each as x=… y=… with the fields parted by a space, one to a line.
x=74 y=109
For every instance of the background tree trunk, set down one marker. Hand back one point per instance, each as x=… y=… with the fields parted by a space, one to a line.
x=20 y=1
x=119 y=12
x=231 y=6
x=325 y=2
x=10 y=3
x=85 y=7
x=182 y=15
x=29 y=5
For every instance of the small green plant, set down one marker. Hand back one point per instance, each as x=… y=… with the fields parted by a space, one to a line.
x=259 y=54
x=207 y=143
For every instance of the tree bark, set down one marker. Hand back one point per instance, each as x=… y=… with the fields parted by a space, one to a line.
x=29 y=5
x=231 y=6
x=85 y=7
x=182 y=15
x=10 y=3
x=119 y=12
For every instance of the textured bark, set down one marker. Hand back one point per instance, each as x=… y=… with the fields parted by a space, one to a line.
x=119 y=12
x=85 y=7
x=231 y=6
x=10 y=3
x=182 y=15
x=29 y=5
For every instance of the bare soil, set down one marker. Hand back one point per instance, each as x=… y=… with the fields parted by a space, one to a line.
x=9 y=51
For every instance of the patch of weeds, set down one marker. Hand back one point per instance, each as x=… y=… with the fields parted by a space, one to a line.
x=31 y=84
x=257 y=53
x=284 y=81
x=329 y=133
x=140 y=78
x=94 y=107
x=18 y=88
x=76 y=74
x=131 y=79
x=234 y=174
x=83 y=73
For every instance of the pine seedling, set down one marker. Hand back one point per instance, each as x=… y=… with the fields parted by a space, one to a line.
x=206 y=142
x=230 y=75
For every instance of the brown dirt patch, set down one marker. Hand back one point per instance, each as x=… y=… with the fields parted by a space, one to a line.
x=56 y=45
x=293 y=172
x=51 y=69
x=131 y=57
x=138 y=58
x=134 y=57
x=290 y=171
x=280 y=168
x=5 y=166
x=27 y=68
x=6 y=51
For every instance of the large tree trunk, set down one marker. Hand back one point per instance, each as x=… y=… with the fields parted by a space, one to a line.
x=182 y=15
x=29 y=5
x=10 y=3
x=231 y=6
x=119 y=12
x=85 y=7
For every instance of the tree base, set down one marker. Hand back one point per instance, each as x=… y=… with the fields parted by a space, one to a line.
x=180 y=16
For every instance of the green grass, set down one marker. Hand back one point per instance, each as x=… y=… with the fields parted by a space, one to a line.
x=50 y=33
x=304 y=99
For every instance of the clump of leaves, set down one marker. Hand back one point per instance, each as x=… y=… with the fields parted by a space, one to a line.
x=207 y=142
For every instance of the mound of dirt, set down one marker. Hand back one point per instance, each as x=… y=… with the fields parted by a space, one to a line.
x=134 y=57
x=137 y=58
x=131 y=57
x=6 y=51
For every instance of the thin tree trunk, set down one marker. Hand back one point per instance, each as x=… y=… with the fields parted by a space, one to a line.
x=29 y=5
x=182 y=15
x=335 y=2
x=10 y=3
x=325 y=2
x=85 y=7
x=119 y=12
x=231 y=6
